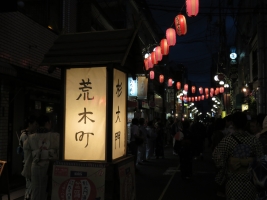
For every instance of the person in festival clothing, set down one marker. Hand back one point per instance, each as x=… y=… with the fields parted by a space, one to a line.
x=143 y=133
x=31 y=125
x=151 y=140
x=198 y=137
x=235 y=164
x=134 y=138
x=228 y=125
x=186 y=151
x=159 y=151
x=41 y=149
x=262 y=123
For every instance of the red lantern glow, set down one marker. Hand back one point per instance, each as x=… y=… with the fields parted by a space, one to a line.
x=195 y=98
x=207 y=96
x=193 y=89
x=146 y=64
x=189 y=99
x=202 y=97
x=186 y=87
x=217 y=90
x=151 y=75
x=150 y=64
x=158 y=54
x=192 y=7
x=200 y=90
x=153 y=58
x=161 y=78
x=171 y=36
x=211 y=94
x=199 y=98
x=221 y=89
x=206 y=90
x=211 y=91
x=170 y=82
x=164 y=47
x=178 y=85
x=180 y=25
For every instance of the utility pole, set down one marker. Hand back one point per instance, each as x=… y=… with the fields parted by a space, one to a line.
x=262 y=72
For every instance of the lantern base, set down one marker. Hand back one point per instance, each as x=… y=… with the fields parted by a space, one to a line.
x=115 y=180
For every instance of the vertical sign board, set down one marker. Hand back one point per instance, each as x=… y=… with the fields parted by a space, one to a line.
x=85 y=114
x=142 y=87
x=119 y=115
x=78 y=180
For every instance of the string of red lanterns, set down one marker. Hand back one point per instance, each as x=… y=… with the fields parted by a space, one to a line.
x=192 y=9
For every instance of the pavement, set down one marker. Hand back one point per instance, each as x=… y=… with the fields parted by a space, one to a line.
x=160 y=179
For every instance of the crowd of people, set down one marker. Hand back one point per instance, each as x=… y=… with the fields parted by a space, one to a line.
x=238 y=143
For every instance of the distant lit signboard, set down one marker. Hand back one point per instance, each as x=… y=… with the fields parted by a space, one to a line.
x=85 y=114
x=132 y=87
x=142 y=82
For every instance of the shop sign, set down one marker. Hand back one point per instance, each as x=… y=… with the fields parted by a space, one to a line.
x=119 y=115
x=85 y=114
x=142 y=87
x=244 y=107
x=132 y=87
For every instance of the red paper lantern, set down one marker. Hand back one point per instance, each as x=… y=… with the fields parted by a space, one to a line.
x=186 y=87
x=193 y=89
x=171 y=36
x=151 y=75
x=207 y=96
x=180 y=25
x=153 y=58
x=158 y=54
x=189 y=99
x=170 y=82
x=202 y=97
x=164 y=47
x=221 y=89
x=206 y=90
x=211 y=94
x=192 y=7
x=146 y=63
x=178 y=85
x=211 y=91
x=161 y=78
x=150 y=64
x=200 y=90
x=199 y=98
x=195 y=98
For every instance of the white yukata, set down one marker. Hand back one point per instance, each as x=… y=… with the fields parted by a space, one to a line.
x=22 y=139
x=39 y=149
